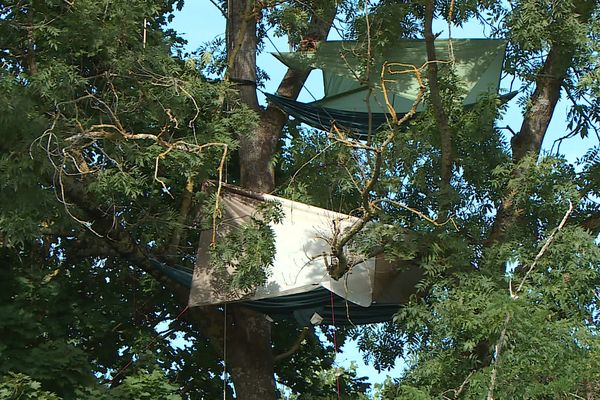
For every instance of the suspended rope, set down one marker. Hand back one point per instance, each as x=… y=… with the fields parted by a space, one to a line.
x=225 y=352
x=335 y=347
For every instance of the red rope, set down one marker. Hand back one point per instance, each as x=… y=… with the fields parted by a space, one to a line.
x=128 y=364
x=335 y=348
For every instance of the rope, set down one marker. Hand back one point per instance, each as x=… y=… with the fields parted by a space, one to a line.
x=128 y=364
x=335 y=347
x=225 y=352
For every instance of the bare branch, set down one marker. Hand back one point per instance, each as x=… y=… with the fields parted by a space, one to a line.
x=497 y=352
x=184 y=212
x=294 y=348
x=545 y=246
x=515 y=295
x=339 y=240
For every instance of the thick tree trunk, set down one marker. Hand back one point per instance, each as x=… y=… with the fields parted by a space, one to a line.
x=529 y=139
x=249 y=353
x=257 y=150
x=250 y=357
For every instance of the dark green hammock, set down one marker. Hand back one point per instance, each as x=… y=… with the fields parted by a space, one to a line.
x=301 y=306
x=357 y=124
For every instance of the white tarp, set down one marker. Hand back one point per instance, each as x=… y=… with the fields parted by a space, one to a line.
x=302 y=253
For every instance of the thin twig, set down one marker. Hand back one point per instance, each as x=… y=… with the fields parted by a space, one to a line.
x=497 y=353
x=419 y=213
x=546 y=245
x=450 y=45
x=515 y=295
x=294 y=348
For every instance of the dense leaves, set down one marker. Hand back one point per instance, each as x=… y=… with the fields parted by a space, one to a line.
x=107 y=134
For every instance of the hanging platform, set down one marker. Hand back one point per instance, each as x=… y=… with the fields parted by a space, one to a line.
x=298 y=283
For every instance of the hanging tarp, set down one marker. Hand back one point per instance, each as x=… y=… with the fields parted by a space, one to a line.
x=352 y=88
x=298 y=283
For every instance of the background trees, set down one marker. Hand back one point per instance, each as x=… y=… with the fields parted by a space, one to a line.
x=108 y=132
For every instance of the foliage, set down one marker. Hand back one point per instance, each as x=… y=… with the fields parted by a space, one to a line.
x=72 y=313
x=251 y=248
x=99 y=124
x=19 y=386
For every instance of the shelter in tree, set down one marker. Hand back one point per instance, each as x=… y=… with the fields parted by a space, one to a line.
x=354 y=90
x=358 y=98
x=298 y=282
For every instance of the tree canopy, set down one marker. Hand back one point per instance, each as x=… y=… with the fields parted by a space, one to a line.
x=109 y=131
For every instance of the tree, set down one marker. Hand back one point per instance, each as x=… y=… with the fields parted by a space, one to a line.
x=109 y=131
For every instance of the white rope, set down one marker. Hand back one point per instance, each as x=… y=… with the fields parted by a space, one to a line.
x=225 y=352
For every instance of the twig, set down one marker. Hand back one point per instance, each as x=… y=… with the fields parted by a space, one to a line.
x=515 y=295
x=217 y=211
x=145 y=33
x=497 y=353
x=214 y=3
x=308 y=162
x=450 y=45
x=546 y=245
x=419 y=213
x=458 y=391
x=184 y=212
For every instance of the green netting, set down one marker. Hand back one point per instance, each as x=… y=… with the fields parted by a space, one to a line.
x=352 y=85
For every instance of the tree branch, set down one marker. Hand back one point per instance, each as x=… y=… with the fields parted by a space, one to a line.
x=294 y=348
x=339 y=240
x=256 y=151
x=530 y=137
x=116 y=240
x=515 y=295
x=184 y=212
x=592 y=223
x=441 y=118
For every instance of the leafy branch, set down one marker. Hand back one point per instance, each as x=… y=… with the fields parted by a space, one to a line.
x=341 y=263
x=114 y=130
x=515 y=295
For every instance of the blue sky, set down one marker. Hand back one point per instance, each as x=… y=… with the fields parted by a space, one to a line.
x=200 y=21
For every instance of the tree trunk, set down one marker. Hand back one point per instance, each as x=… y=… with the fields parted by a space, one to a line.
x=249 y=354
x=529 y=139
x=439 y=114
x=249 y=351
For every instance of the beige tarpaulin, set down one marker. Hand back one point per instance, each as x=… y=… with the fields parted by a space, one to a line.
x=300 y=263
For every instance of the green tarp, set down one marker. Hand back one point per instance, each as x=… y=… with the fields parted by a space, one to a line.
x=349 y=85
x=354 y=98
